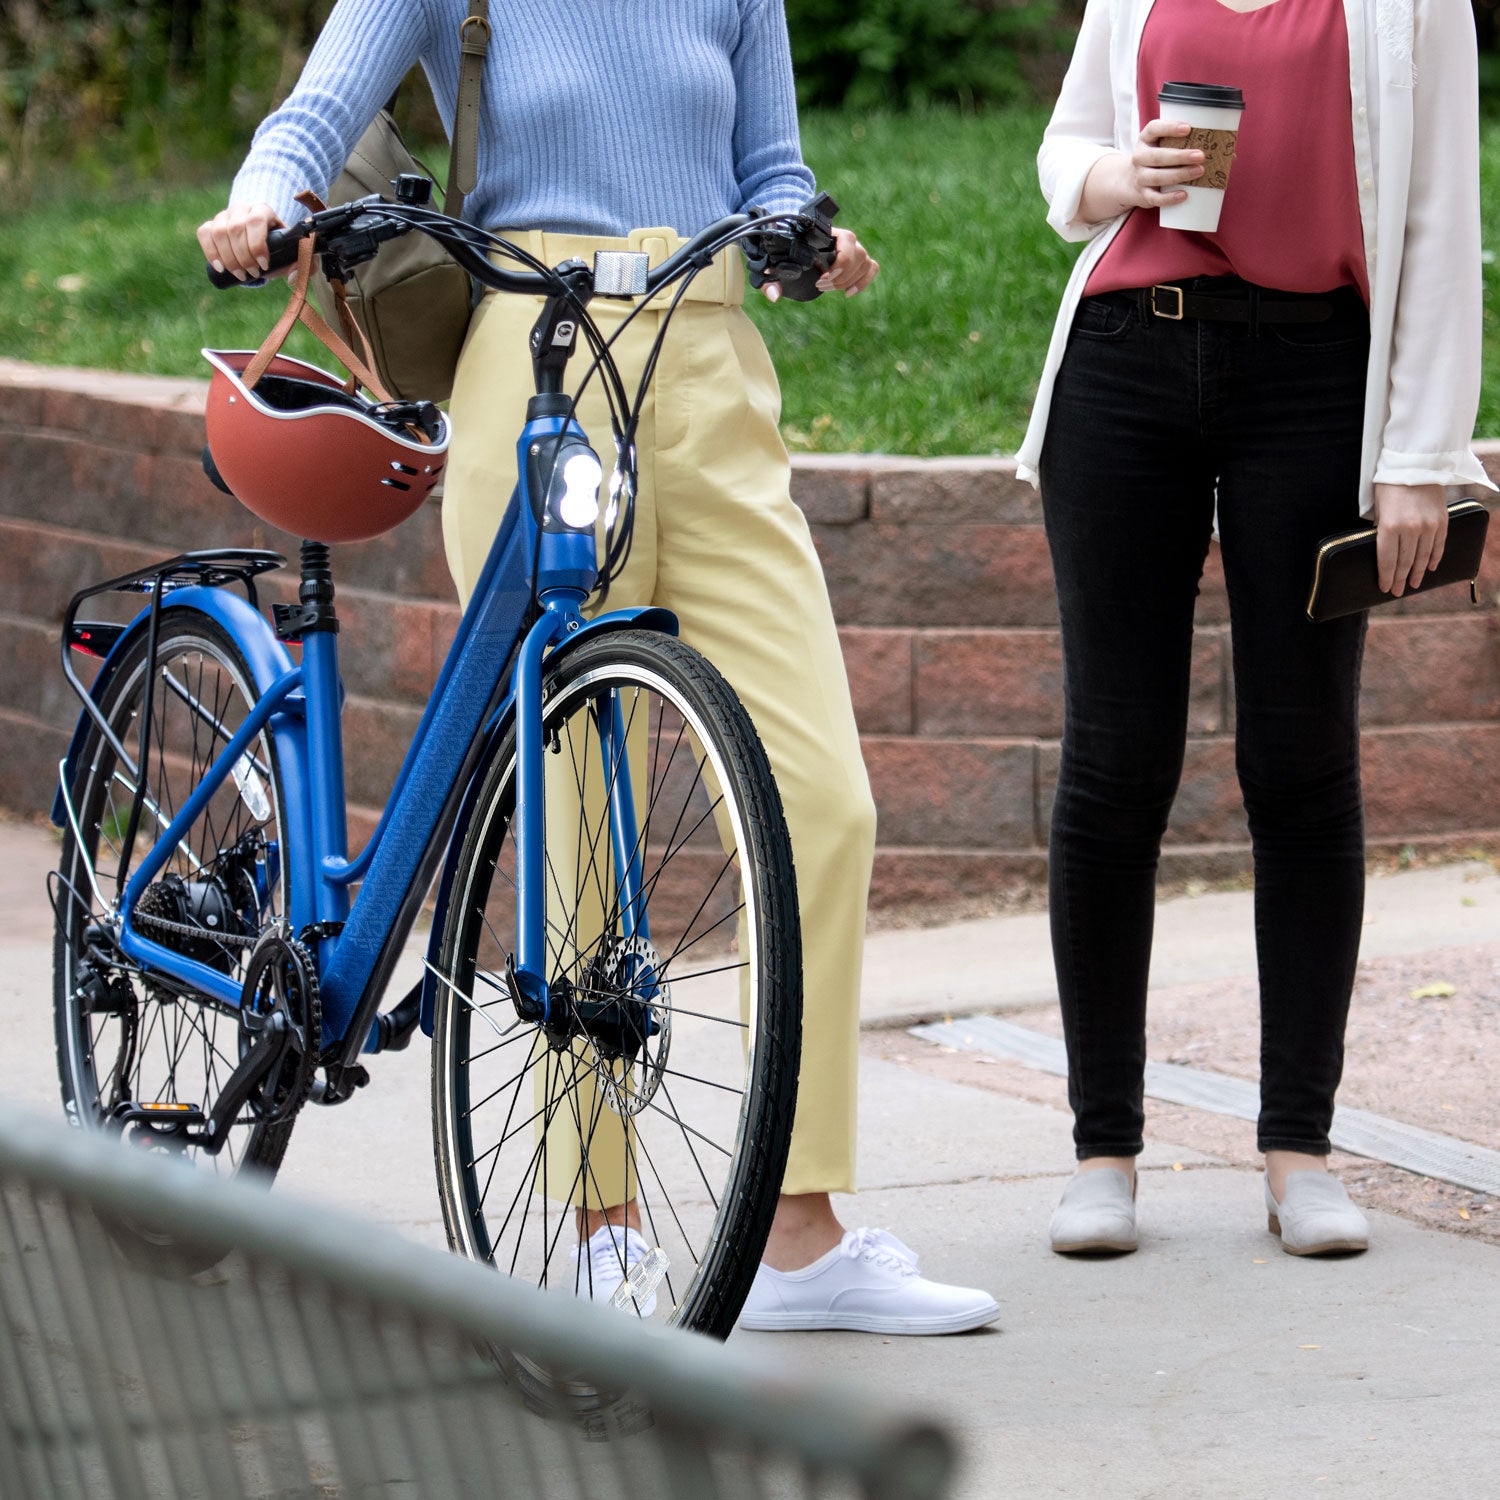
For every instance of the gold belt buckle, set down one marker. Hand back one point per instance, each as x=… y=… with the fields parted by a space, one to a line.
x=1175 y=317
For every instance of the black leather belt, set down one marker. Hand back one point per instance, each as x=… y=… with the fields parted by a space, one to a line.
x=1249 y=305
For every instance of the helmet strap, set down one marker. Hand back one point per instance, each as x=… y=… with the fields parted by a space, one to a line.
x=299 y=310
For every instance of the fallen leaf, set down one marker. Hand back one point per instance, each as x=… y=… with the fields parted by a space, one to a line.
x=1438 y=991
x=1177 y=1166
x=1463 y=1213
x=1260 y=1262
x=1309 y=1346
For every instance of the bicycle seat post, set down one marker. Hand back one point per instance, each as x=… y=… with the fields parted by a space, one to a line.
x=313 y=622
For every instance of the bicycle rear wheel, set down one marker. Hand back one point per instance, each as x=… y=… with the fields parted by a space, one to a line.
x=123 y=1037
x=666 y=1074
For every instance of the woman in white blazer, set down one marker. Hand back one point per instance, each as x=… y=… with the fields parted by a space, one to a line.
x=1314 y=359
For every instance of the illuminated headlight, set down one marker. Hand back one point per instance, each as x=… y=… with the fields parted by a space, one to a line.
x=577 y=506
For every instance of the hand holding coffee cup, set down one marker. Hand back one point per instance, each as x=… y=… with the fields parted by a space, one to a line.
x=1157 y=170
x=1211 y=112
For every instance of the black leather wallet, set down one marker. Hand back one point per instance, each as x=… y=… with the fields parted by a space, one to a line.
x=1346 y=577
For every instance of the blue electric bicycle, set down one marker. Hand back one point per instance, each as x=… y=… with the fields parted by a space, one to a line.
x=613 y=981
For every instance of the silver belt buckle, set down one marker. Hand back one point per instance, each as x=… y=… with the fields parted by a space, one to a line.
x=1174 y=317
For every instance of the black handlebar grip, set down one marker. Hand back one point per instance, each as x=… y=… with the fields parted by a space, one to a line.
x=281 y=250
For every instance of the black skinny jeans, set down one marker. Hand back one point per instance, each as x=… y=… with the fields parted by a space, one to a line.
x=1151 y=422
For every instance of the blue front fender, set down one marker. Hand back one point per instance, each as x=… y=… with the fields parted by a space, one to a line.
x=646 y=618
x=267 y=658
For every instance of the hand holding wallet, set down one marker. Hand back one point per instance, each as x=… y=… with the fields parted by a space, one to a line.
x=1346 y=574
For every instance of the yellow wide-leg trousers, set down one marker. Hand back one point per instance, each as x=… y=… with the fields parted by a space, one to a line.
x=718 y=542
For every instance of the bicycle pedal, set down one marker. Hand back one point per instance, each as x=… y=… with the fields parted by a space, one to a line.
x=168 y=1117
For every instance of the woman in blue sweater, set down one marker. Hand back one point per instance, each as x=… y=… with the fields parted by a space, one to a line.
x=635 y=124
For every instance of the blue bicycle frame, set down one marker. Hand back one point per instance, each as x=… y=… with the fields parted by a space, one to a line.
x=473 y=704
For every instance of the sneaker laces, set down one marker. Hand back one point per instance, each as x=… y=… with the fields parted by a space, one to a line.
x=605 y=1254
x=881 y=1248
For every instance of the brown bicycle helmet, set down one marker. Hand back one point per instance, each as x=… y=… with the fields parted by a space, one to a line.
x=312 y=454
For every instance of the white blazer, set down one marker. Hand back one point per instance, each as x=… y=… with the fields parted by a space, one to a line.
x=1413 y=83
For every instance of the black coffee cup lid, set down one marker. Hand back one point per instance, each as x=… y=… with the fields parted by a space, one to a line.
x=1206 y=95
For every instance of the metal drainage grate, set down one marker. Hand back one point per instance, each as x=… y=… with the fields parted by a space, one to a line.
x=1354 y=1130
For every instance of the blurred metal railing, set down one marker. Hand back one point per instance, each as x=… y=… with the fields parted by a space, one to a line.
x=329 y=1358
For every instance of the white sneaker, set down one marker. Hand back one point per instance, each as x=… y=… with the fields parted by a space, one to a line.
x=868 y=1282
x=600 y=1268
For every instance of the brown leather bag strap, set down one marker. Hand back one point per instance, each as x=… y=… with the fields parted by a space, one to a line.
x=463 y=162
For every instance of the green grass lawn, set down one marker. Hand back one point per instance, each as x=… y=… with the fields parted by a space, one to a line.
x=941 y=356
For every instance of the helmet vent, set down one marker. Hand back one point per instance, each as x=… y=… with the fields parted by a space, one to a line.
x=403 y=468
x=395 y=484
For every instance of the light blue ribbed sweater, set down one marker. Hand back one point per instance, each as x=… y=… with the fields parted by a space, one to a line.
x=598 y=116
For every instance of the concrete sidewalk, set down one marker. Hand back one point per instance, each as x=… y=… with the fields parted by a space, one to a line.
x=1210 y=1364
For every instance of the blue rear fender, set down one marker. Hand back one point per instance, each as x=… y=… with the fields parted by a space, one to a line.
x=664 y=622
x=268 y=660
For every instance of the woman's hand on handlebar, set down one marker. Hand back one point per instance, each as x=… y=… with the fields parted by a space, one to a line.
x=853 y=269
x=235 y=240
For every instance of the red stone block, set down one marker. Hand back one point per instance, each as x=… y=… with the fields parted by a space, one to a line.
x=181 y=431
x=1431 y=779
x=376 y=737
x=33 y=683
x=879 y=664
x=942 y=491
x=989 y=682
x=1010 y=682
x=36 y=482
x=42 y=567
x=832 y=493
x=21 y=405
x=961 y=794
x=29 y=753
x=1424 y=670
x=938 y=575
x=144 y=426
x=385 y=646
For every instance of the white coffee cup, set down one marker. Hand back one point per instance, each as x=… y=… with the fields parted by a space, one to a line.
x=1213 y=110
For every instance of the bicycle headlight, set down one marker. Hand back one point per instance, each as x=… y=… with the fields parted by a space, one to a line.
x=574 y=496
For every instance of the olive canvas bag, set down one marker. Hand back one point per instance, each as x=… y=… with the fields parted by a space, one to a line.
x=412 y=301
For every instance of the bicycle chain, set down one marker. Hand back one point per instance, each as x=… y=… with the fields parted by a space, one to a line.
x=199 y=934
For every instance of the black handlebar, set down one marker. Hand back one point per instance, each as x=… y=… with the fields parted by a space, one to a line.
x=794 y=254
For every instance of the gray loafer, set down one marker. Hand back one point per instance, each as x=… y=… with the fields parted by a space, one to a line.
x=1096 y=1214
x=1315 y=1216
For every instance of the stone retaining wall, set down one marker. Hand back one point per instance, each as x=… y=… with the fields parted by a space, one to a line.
x=940 y=580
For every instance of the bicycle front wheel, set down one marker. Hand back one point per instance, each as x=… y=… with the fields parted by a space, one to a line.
x=663 y=1080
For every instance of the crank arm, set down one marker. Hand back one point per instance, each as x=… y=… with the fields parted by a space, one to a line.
x=254 y=1065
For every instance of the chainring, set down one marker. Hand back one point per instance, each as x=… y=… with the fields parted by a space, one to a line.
x=281 y=978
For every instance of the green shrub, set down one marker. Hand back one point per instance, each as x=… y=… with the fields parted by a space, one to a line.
x=139 y=88
x=898 y=53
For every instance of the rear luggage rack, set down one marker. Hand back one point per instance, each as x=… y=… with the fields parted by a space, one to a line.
x=216 y=568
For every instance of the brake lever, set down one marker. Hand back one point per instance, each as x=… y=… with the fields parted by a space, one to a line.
x=796 y=259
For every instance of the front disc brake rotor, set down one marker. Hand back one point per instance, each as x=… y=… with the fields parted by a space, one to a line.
x=630 y=969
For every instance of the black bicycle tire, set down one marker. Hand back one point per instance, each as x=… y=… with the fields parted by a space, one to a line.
x=721 y=1289
x=267 y=1144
